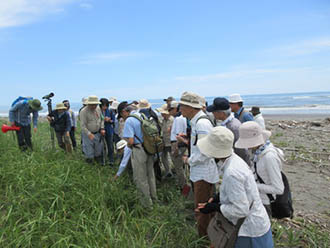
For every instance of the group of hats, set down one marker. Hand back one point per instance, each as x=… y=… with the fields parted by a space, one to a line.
x=219 y=142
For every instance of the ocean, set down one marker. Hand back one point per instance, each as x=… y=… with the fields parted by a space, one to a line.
x=310 y=103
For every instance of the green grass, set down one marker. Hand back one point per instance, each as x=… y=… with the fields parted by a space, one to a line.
x=52 y=199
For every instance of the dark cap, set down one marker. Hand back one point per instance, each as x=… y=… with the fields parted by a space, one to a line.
x=170 y=98
x=219 y=103
x=255 y=110
x=121 y=107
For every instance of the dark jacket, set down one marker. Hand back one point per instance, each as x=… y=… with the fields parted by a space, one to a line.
x=61 y=122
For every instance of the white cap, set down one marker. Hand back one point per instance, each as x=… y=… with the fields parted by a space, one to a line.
x=114 y=105
x=235 y=98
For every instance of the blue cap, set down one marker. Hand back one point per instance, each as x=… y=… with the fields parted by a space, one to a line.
x=219 y=103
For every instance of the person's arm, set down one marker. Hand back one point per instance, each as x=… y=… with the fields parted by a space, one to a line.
x=124 y=161
x=35 y=119
x=128 y=132
x=74 y=119
x=83 y=122
x=68 y=122
x=273 y=169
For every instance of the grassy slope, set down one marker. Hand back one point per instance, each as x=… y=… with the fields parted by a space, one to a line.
x=50 y=199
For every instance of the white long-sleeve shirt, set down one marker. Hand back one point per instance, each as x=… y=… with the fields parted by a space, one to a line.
x=124 y=161
x=201 y=166
x=260 y=120
x=269 y=166
x=179 y=126
x=237 y=191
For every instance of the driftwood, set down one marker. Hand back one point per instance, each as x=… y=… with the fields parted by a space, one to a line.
x=299 y=150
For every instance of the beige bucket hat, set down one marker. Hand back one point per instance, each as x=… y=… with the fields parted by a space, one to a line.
x=163 y=109
x=251 y=135
x=93 y=100
x=235 y=98
x=218 y=143
x=60 y=106
x=190 y=99
x=144 y=104
x=202 y=101
x=121 y=144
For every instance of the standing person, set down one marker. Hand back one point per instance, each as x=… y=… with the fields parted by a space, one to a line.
x=92 y=127
x=236 y=105
x=60 y=120
x=166 y=134
x=142 y=162
x=109 y=122
x=178 y=149
x=221 y=111
x=258 y=118
x=19 y=115
x=267 y=161
x=203 y=170
x=238 y=197
x=168 y=100
x=73 y=123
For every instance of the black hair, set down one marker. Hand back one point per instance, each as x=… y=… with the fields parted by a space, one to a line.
x=104 y=102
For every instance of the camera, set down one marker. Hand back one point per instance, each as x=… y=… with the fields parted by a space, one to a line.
x=47 y=97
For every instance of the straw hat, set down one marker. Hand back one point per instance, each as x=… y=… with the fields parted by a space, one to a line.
x=190 y=99
x=114 y=105
x=144 y=104
x=121 y=144
x=235 y=98
x=163 y=109
x=93 y=100
x=251 y=135
x=218 y=143
x=60 y=106
x=35 y=104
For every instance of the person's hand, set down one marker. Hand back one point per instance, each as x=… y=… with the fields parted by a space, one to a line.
x=185 y=159
x=102 y=132
x=67 y=134
x=115 y=177
x=49 y=118
x=91 y=136
x=200 y=206
x=35 y=130
x=182 y=138
x=107 y=119
x=207 y=208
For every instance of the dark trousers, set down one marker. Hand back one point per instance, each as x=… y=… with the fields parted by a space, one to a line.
x=73 y=137
x=24 y=137
x=203 y=191
x=109 y=141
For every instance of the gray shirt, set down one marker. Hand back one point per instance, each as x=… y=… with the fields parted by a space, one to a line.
x=91 y=121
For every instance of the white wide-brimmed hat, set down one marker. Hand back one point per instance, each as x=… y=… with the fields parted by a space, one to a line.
x=235 y=98
x=174 y=104
x=251 y=135
x=121 y=144
x=60 y=106
x=190 y=99
x=114 y=105
x=144 y=104
x=218 y=143
x=93 y=100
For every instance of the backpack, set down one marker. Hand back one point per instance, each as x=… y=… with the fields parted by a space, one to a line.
x=282 y=205
x=25 y=100
x=152 y=140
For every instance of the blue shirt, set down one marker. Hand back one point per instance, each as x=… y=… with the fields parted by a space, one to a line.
x=20 y=113
x=246 y=116
x=133 y=128
x=109 y=126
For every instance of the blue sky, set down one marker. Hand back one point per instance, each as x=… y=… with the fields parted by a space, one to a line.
x=152 y=48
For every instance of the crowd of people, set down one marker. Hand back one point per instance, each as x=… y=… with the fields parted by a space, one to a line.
x=201 y=143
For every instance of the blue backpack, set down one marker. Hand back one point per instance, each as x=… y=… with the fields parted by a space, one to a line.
x=25 y=100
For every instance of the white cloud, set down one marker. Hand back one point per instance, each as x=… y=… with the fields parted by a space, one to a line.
x=107 y=57
x=20 y=12
x=86 y=6
x=303 y=47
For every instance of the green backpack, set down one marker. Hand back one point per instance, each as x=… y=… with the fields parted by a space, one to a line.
x=152 y=140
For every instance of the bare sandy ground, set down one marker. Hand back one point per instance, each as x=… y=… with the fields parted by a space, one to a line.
x=305 y=140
